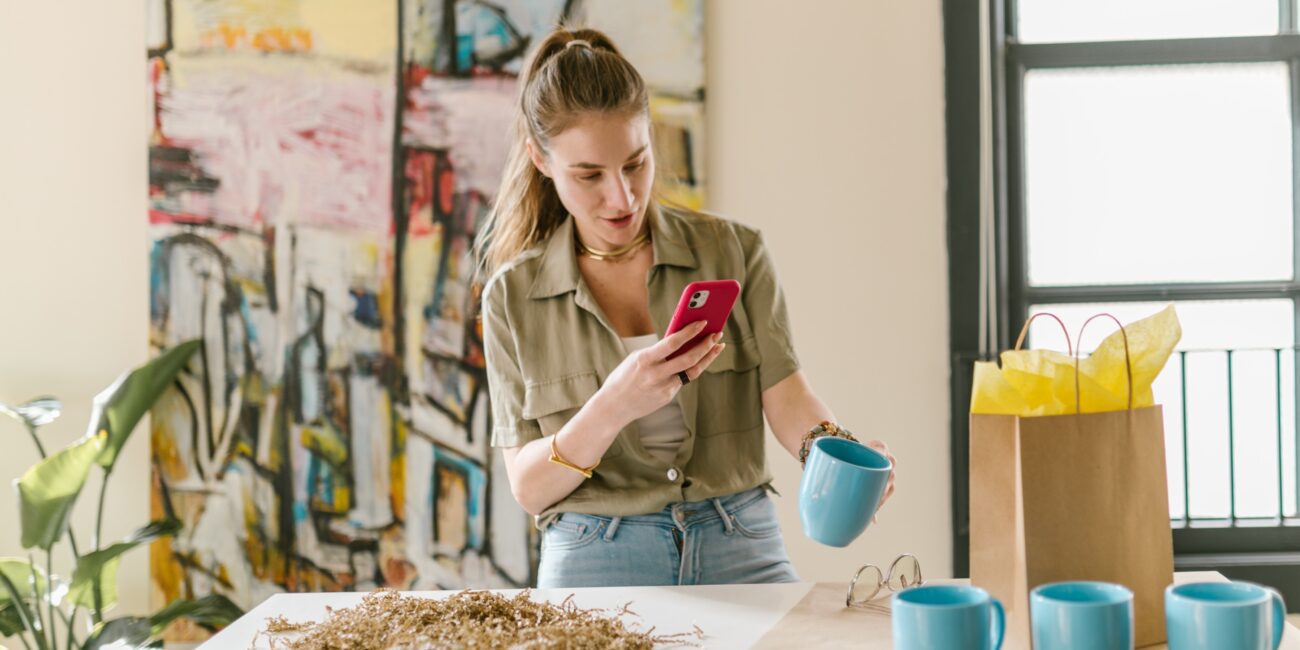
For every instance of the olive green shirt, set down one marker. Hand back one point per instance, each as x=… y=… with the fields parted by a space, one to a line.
x=549 y=346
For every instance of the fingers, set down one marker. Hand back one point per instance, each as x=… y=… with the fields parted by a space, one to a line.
x=893 y=462
x=670 y=343
x=889 y=491
x=881 y=447
x=690 y=358
x=696 y=370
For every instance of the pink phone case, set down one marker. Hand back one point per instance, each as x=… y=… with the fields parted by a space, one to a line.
x=707 y=300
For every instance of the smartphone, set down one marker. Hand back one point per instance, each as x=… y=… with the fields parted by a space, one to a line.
x=706 y=300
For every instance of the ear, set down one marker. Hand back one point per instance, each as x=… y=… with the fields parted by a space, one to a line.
x=539 y=160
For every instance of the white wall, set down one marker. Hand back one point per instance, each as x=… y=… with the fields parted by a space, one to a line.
x=824 y=128
x=73 y=249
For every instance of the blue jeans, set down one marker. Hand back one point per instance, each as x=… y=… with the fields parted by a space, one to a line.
x=729 y=540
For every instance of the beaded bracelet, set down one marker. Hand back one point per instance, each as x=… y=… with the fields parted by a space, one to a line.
x=825 y=428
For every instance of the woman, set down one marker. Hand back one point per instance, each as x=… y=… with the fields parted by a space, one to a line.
x=641 y=470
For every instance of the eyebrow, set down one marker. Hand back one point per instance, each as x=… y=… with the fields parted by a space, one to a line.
x=587 y=165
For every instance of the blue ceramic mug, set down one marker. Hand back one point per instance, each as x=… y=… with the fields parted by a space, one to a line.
x=841 y=487
x=1081 y=616
x=1215 y=615
x=944 y=617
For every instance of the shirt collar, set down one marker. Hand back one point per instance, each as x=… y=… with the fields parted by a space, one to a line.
x=670 y=240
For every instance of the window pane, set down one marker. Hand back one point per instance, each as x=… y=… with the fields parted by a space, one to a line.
x=1061 y=21
x=1158 y=174
x=1255 y=330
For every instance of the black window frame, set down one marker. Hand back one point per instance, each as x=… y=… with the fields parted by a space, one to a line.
x=1265 y=553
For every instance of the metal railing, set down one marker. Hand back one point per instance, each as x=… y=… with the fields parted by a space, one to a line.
x=1284 y=401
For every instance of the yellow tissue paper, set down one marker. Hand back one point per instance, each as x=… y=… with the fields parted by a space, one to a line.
x=1042 y=382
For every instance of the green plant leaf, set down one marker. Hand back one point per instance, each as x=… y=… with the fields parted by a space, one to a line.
x=18 y=573
x=10 y=622
x=48 y=490
x=212 y=612
x=104 y=562
x=21 y=572
x=119 y=407
x=127 y=632
x=18 y=605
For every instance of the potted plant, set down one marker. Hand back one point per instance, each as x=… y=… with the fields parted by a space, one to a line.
x=41 y=609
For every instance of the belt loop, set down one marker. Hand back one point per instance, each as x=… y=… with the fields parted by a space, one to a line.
x=613 y=526
x=726 y=517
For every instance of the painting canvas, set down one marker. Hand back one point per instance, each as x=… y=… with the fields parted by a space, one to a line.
x=318 y=171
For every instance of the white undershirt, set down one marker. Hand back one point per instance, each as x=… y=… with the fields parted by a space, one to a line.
x=663 y=431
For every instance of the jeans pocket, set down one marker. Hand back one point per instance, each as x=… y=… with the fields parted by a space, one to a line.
x=570 y=532
x=757 y=519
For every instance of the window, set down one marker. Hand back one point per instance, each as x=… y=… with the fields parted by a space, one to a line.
x=1144 y=153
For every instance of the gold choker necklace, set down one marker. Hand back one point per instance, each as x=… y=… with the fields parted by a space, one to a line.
x=614 y=255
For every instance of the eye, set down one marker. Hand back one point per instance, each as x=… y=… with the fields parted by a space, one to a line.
x=590 y=177
x=635 y=166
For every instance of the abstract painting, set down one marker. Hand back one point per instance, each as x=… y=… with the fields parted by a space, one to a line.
x=318 y=171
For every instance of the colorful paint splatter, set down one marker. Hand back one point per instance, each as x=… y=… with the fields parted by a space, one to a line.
x=318 y=170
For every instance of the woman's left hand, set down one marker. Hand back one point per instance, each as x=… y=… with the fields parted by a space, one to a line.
x=880 y=446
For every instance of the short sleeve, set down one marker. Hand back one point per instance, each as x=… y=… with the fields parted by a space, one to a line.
x=765 y=304
x=505 y=381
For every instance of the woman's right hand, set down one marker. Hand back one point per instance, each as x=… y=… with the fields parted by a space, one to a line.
x=646 y=380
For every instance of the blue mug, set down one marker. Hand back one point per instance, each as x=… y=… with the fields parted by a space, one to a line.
x=1215 y=615
x=841 y=487
x=1081 y=616
x=944 y=617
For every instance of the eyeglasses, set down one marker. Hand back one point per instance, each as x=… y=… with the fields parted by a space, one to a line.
x=903 y=573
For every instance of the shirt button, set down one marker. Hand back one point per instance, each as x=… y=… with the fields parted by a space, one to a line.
x=673 y=473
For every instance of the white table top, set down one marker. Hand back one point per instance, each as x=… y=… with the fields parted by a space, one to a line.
x=731 y=616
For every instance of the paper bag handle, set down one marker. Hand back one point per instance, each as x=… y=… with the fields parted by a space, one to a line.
x=1128 y=361
x=1024 y=331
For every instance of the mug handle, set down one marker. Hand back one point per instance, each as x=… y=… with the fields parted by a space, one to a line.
x=1000 y=622
x=1279 y=618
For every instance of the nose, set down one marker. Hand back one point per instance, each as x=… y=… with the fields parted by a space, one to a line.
x=618 y=194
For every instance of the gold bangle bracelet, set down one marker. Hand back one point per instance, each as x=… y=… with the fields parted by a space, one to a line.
x=559 y=460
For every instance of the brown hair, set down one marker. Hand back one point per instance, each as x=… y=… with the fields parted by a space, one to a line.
x=572 y=73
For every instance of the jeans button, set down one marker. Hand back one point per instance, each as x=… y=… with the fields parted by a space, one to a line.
x=673 y=474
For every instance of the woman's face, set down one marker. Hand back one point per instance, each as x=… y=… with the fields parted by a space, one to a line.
x=603 y=169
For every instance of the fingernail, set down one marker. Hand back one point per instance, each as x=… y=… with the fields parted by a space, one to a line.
x=722 y=346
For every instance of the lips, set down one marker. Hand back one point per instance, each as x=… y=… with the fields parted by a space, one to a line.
x=621 y=222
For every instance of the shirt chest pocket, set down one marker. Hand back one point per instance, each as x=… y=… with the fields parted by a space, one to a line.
x=552 y=403
x=730 y=399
